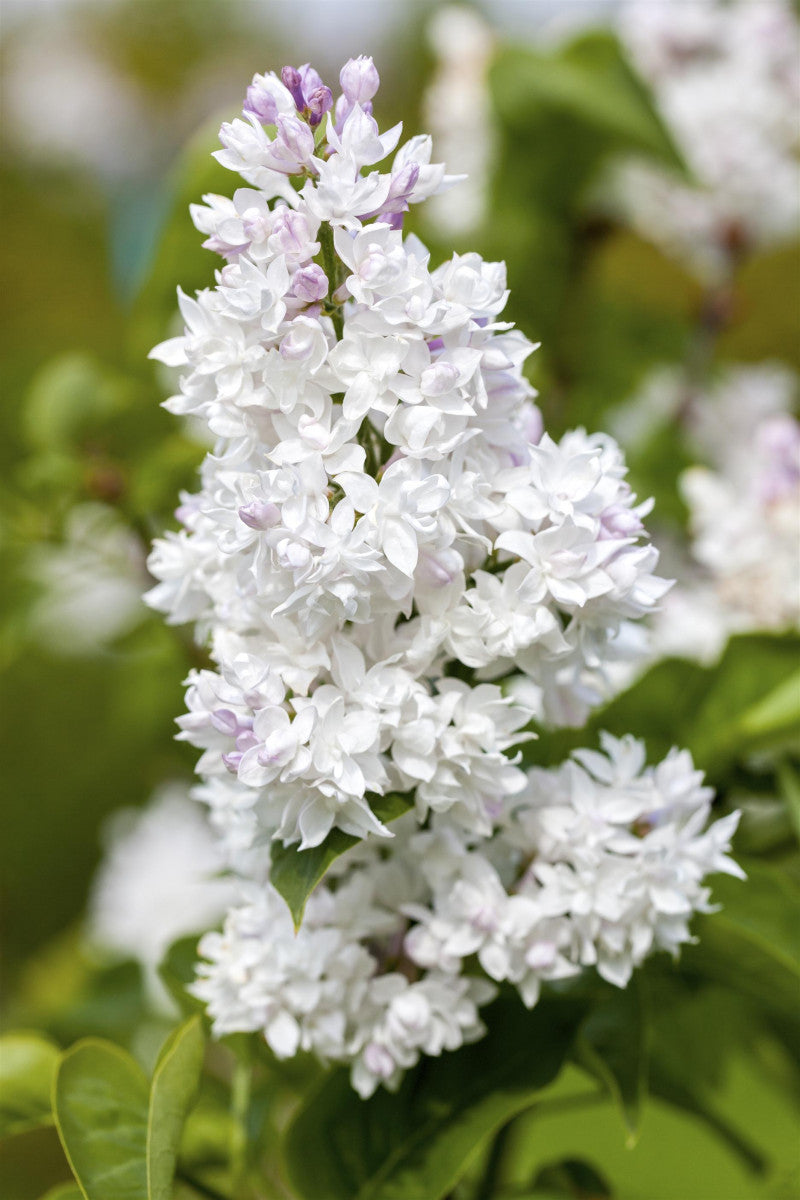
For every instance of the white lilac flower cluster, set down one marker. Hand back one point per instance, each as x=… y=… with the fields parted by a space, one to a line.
x=743 y=572
x=394 y=569
x=726 y=78
x=596 y=864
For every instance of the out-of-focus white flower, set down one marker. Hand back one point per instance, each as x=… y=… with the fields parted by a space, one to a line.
x=458 y=112
x=743 y=570
x=726 y=78
x=160 y=879
x=91 y=582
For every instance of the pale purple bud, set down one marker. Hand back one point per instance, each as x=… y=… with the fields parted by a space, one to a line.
x=310 y=283
x=260 y=514
x=246 y=740
x=296 y=137
x=359 y=79
x=232 y=761
x=531 y=423
x=261 y=104
x=396 y=203
x=225 y=721
x=310 y=79
x=319 y=102
x=292 y=81
x=403 y=183
x=617 y=522
x=290 y=234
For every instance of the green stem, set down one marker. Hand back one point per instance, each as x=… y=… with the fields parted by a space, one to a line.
x=331 y=266
x=241 y=1087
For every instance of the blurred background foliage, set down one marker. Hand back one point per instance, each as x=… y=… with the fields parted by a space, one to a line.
x=111 y=113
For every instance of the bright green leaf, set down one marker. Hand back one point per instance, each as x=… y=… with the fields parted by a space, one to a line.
x=64 y=1191
x=172 y=1091
x=101 y=1101
x=415 y=1144
x=295 y=873
x=27 y=1064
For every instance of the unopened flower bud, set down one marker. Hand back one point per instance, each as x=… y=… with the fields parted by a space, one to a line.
x=319 y=102
x=293 y=82
x=359 y=79
x=310 y=283
x=260 y=514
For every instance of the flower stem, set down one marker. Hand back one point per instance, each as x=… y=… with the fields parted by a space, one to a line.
x=331 y=266
x=241 y=1087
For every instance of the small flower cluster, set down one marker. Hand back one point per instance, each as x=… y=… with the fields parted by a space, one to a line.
x=744 y=503
x=598 y=863
x=726 y=80
x=394 y=568
x=745 y=526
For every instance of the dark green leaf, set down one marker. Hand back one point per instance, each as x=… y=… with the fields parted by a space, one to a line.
x=414 y=1144
x=613 y=1045
x=742 y=705
x=172 y=1091
x=590 y=80
x=789 y=780
x=572 y=1179
x=27 y=1064
x=101 y=1102
x=753 y=943
x=295 y=873
x=177 y=970
x=64 y=1191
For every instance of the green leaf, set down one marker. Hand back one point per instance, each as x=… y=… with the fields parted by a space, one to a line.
x=27 y=1064
x=789 y=780
x=590 y=80
x=613 y=1045
x=743 y=705
x=572 y=1179
x=172 y=1091
x=120 y=1137
x=753 y=944
x=695 y=1033
x=64 y=1191
x=177 y=970
x=415 y=1144
x=100 y=1101
x=295 y=873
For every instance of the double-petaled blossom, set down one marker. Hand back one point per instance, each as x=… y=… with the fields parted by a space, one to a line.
x=394 y=570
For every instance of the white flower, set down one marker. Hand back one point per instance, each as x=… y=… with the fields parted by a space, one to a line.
x=382 y=527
